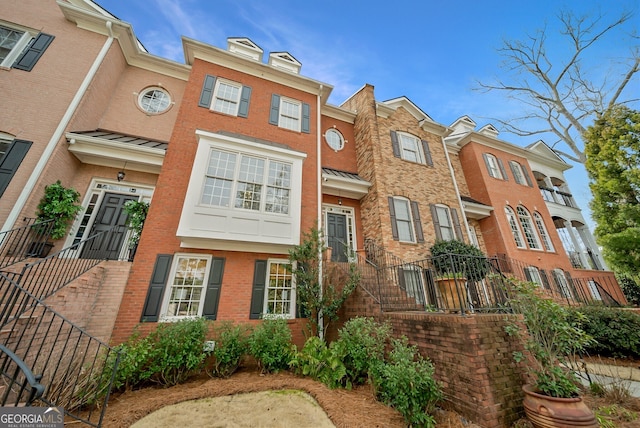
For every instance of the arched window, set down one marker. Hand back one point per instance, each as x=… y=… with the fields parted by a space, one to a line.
x=542 y=229
x=515 y=229
x=527 y=226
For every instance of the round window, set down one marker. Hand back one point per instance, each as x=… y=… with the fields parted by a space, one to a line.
x=154 y=100
x=334 y=139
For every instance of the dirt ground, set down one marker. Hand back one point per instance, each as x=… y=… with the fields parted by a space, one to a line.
x=344 y=408
x=288 y=407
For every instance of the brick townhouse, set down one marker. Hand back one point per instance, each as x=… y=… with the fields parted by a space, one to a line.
x=240 y=154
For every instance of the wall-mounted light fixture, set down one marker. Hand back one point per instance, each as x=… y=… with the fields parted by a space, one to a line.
x=121 y=173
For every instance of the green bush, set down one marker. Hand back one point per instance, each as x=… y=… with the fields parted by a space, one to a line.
x=615 y=331
x=231 y=344
x=321 y=362
x=459 y=258
x=362 y=342
x=270 y=344
x=177 y=350
x=405 y=382
x=168 y=355
x=631 y=290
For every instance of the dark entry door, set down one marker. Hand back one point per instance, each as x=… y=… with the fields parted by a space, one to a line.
x=110 y=214
x=337 y=236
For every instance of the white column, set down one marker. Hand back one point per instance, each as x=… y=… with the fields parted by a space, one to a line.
x=590 y=242
x=576 y=245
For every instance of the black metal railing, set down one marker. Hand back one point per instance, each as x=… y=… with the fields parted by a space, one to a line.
x=469 y=284
x=18 y=381
x=600 y=290
x=76 y=369
x=28 y=240
x=450 y=283
x=45 y=276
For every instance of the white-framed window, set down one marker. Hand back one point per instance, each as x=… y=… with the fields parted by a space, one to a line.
x=542 y=229
x=527 y=227
x=226 y=97
x=445 y=224
x=242 y=193
x=533 y=275
x=410 y=148
x=280 y=298
x=493 y=166
x=12 y=42
x=290 y=114
x=154 y=100
x=518 y=174
x=412 y=282
x=245 y=181
x=334 y=139
x=561 y=281
x=403 y=220
x=593 y=288
x=5 y=142
x=186 y=287
x=515 y=229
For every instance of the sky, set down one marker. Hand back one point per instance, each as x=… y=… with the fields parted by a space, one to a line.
x=432 y=52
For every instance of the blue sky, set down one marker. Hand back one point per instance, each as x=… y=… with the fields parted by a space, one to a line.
x=433 y=52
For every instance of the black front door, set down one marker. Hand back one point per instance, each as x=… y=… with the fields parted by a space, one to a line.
x=110 y=214
x=337 y=236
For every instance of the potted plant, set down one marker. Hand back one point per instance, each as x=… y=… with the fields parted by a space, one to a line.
x=55 y=212
x=455 y=263
x=136 y=215
x=552 y=341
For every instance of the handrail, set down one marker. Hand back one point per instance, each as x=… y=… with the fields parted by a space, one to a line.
x=37 y=389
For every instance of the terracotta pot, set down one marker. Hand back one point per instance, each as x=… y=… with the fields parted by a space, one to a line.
x=551 y=412
x=449 y=292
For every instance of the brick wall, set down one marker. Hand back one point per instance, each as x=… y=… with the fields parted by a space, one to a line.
x=472 y=356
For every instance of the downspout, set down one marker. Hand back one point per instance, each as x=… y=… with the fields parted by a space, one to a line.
x=455 y=185
x=319 y=202
x=57 y=134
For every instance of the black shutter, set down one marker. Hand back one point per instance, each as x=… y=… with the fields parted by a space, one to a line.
x=436 y=222
x=417 y=224
x=32 y=54
x=401 y=281
x=243 y=107
x=486 y=162
x=257 y=296
x=212 y=298
x=207 y=91
x=527 y=274
x=274 y=112
x=306 y=118
x=11 y=161
x=153 y=302
x=427 y=153
x=504 y=171
x=526 y=176
x=395 y=144
x=545 y=279
x=456 y=224
x=392 y=215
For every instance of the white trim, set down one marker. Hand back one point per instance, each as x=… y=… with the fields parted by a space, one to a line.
x=216 y=90
x=292 y=297
x=21 y=44
x=350 y=215
x=169 y=285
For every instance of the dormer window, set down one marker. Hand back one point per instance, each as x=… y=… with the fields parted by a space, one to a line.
x=244 y=46
x=285 y=61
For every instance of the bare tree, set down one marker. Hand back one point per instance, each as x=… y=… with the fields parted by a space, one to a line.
x=560 y=93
